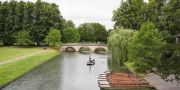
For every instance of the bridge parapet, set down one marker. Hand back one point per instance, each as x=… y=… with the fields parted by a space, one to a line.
x=83 y=44
x=77 y=46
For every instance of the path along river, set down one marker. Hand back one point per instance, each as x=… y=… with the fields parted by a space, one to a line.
x=67 y=71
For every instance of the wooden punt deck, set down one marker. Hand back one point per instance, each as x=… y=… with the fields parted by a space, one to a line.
x=112 y=79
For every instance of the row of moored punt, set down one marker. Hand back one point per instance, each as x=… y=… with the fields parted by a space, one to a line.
x=111 y=79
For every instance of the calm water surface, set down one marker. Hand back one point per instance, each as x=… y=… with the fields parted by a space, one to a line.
x=67 y=71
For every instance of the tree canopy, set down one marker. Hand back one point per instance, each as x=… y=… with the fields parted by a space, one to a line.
x=168 y=64
x=92 y=32
x=36 y=18
x=70 y=23
x=118 y=41
x=23 y=38
x=165 y=14
x=142 y=48
x=71 y=35
x=53 y=37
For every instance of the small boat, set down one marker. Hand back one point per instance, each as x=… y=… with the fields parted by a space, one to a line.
x=91 y=62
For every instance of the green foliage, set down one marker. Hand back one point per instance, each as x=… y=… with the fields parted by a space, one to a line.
x=71 y=35
x=117 y=44
x=69 y=23
x=142 y=48
x=92 y=32
x=170 y=17
x=100 y=33
x=23 y=38
x=167 y=37
x=53 y=37
x=165 y=14
x=169 y=63
x=130 y=14
x=37 y=18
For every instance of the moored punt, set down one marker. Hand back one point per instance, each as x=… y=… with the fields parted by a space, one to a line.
x=104 y=86
x=102 y=78
x=102 y=75
x=103 y=82
x=121 y=80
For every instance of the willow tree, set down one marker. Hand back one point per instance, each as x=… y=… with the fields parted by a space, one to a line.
x=117 y=44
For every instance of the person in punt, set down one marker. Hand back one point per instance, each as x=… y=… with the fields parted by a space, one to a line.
x=90 y=61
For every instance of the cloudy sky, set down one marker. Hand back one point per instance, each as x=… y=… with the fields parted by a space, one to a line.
x=81 y=11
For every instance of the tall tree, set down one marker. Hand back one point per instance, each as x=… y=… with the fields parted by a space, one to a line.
x=129 y=14
x=168 y=65
x=69 y=23
x=99 y=33
x=71 y=35
x=118 y=41
x=20 y=15
x=141 y=49
x=92 y=32
x=3 y=16
x=28 y=21
x=53 y=37
x=36 y=17
x=23 y=38
x=171 y=18
x=10 y=22
x=86 y=32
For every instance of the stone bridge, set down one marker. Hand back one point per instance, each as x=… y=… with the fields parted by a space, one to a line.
x=77 y=46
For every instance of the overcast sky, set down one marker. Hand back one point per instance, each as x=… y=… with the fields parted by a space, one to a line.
x=81 y=11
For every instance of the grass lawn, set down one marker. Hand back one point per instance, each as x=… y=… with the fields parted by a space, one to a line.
x=130 y=66
x=13 y=69
x=10 y=52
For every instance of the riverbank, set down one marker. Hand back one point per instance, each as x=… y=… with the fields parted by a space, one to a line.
x=130 y=66
x=154 y=80
x=12 y=70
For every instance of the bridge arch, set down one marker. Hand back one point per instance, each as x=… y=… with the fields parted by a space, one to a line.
x=99 y=48
x=67 y=48
x=77 y=47
x=84 y=47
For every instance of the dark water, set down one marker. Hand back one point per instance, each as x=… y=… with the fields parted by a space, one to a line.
x=67 y=71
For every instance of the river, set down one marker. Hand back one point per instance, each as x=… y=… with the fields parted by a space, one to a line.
x=67 y=71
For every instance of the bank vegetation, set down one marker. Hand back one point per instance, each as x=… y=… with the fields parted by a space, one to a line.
x=14 y=69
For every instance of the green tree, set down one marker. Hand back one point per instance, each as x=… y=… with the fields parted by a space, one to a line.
x=118 y=41
x=69 y=23
x=45 y=16
x=100 y=34
x=3 y=16
x=23 y=38
x=141 y=49
x=171 y=16
x=71 y=35
x=169 y=63
x=130 y=14
x=85 y=32
x=19 y=18
x=53 y=37
x=66 y=24
x=9 y=22
x=92 y=32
